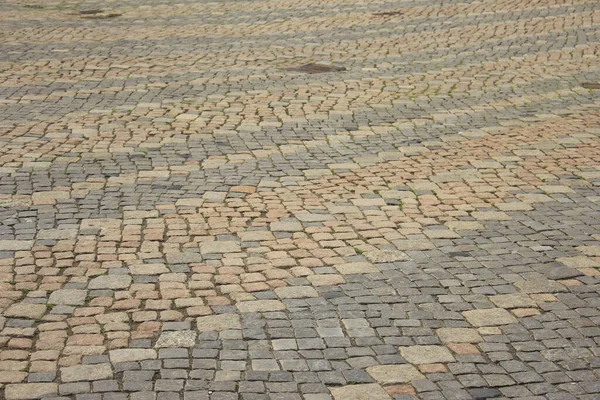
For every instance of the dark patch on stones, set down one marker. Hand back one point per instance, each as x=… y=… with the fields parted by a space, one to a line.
x=591 y=85
x=388 y=14
x=484 y=393
x=459 y=254
x=35 y=6
x=90 y=12
x=317 y=68
x=556 y=270
x=101 y=16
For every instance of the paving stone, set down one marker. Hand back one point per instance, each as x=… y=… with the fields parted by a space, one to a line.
x=15 y=245
x=512 y=300
x=26 y=391
x=110 y=282
x=385 y=256
x=286 y=227
x=356 y=268
x=489 y=317
x=370 y=391
x=426 y=354
x=394 y=374
x=296 y=292
x=128 y=355
x=26 y=310
x=539 y=286
x=291 y=207
x=218 y=323
x=183 y=258
x=458 y=335
x=260 y=306
x=93 y=372
x=177 y=339
x=74 y=297
x=219 y=247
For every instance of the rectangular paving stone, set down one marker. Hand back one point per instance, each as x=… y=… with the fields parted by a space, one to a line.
x=489 y=317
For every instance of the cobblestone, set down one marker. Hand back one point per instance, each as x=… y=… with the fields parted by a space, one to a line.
x=299 y=200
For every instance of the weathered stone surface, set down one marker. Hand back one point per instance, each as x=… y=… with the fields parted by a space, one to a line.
x=356 y=268
x=489 y=317
x=370 y=391
x=127 y=355
x=592 y=251
x=426 y=354
x=219 y=247
x=578 y=262
x=49 y=198
x=513 y=300
x=16 y=245
x=29 y=391
x=110 y=282
x=177 y=339
x=385 y=256
x=326 y=279
x=465 y=225
x=459 y=335
x=218 y=323
x=57 y=234
x=26 y=310
x=490 y=216
x=539 y=286
x=261 y=306
x=73 y=297
x=148 y=269
x=77 y=373
x=296 y=292
x=286 y=227
x=184 y=258
x=414 y=245
x=312 y=217
x=393 y=374
x=256 y=236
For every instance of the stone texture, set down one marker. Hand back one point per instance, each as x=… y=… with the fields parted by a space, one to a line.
x=539 y=286
x=176 y=339
x=393 y=374
x=15 y=245
x=219 y=247
x=489 y=317
x=385 y=256
x=128 y=355
x=326 y=182
x=261 y=306
x=27 y=391
x=356 y=268
x=426 y=354
x=369 y=391
x=110 y=282
x=77 y=373
x=26 y=310
x=513 y=300
x=218 y=322
x=73 y=297
x=296 y=292
x=458 y=335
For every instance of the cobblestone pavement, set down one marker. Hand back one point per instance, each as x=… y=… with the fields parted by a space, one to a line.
x=310 y=199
